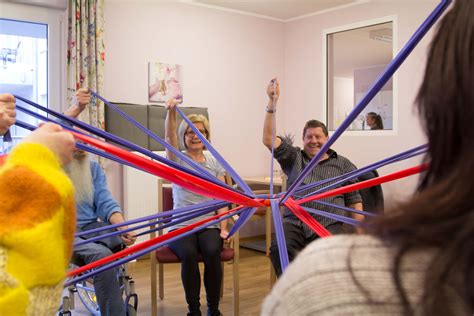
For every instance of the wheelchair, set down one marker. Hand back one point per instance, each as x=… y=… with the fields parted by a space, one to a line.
x=85 y=291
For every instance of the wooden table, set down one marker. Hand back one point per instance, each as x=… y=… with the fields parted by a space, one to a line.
x=279 y=185
x=265 y=180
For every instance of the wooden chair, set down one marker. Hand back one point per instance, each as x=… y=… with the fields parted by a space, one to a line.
x=165 y=255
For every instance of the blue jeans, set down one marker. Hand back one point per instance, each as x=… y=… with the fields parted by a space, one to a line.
x=106 y=284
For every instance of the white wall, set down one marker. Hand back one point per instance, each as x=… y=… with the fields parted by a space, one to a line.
x=302 y=93
x=227 y=60
x=343 y=98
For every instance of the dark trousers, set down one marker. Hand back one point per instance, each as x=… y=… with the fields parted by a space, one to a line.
x=295 y=242
x=208 y=243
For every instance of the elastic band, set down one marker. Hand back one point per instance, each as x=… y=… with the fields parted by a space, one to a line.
x=183 y=179
x=358 y=172
x=280 y=235
x=146 y=246
x=368 y=183
x=156 y=138
x=313 y=224
x=216 y=155
x=113 y=138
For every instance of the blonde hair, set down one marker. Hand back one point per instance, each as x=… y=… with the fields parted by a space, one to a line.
x=194 y=118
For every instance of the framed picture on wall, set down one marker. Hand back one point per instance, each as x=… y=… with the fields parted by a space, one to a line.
x=164 y=82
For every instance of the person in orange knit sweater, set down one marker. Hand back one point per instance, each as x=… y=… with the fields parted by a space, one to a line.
x=37 y=219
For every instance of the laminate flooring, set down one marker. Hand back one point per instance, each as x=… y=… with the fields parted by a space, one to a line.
x=254 y=275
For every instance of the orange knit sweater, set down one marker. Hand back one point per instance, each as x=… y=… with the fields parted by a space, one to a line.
x=37 y=220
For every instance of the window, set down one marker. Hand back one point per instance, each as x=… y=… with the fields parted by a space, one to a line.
x=355 y=58
x=30 y=60
x=24 y=56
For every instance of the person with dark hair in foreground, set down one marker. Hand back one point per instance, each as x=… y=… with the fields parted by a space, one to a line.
x=419 y=258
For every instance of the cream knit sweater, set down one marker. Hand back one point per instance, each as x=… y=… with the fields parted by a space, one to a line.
x=319 y=281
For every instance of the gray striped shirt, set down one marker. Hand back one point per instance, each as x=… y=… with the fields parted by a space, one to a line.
x=293 y=160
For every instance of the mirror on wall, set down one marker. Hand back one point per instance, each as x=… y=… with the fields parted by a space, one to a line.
x=355 y=59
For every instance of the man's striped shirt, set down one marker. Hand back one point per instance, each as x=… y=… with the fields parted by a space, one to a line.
x=293 y=160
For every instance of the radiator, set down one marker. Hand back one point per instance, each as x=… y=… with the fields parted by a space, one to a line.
x=140 y=194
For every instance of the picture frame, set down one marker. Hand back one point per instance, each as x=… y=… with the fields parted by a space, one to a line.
x=164 y=82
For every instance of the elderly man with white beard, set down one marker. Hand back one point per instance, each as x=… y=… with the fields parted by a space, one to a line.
x=95 y=207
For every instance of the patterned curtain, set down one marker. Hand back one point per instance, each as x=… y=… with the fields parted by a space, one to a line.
x=86 y=55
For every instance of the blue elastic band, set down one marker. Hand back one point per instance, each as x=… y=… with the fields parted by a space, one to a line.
x=345 y=208
x=352 y=175
x=280 y=235
x=357 y=173
x=119 y=141
x=143 y=252
x=339 y=218
x=202 y=205
x=205 y=174
x=216 y=155
x=247 y=212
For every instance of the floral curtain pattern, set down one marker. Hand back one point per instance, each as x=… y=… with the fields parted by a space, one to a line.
x=86 y=55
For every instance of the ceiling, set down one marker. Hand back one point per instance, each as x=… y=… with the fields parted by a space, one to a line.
x=57 y=4
x=282 y=10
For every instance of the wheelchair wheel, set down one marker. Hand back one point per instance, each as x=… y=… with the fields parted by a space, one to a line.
x=86 y=293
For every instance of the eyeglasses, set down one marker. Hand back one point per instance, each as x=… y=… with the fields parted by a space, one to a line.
x=190 y=133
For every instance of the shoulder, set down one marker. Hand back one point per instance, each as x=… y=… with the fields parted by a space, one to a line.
x=321 y=269
x=95 y=167
x=344 y=161
x=336 y=249
x=331 y=253
x=286 y=148
x=96 y=170
x=345 y=271
x=212 y=161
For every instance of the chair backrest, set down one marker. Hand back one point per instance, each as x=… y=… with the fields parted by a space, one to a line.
x=372 y=197
x=166 y=203
x=151 y=116
x=167 y=198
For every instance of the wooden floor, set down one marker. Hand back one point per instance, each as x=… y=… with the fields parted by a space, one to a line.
x=254 y=286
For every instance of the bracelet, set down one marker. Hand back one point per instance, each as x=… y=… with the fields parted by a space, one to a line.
x=270 y=110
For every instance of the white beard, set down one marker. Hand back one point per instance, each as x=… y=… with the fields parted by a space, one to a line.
x=79 y=172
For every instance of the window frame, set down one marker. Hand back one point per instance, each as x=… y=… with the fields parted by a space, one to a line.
x=342 y=28
x=57 y=44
